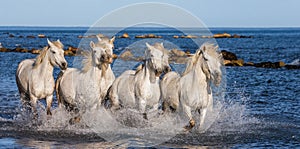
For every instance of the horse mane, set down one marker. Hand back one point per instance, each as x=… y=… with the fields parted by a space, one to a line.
x=41 y=56
x=87 y=62
x=139 y=68
x=210 y=49
x=160 y=47
x=191 y=62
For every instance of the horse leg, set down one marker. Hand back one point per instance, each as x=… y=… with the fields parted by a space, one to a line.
x=202 y=116
x=115 y=104
x=187 y=111
x=33 y=101
x=49 y=103
x=142 y=108
x=25 y=101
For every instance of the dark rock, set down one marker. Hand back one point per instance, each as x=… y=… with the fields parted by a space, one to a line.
x=73 y=49
x=30 y=36
x=21 y=36
x=147 y=36
x=125 y=35
x=228 y=55
x=239 y=62
x=270 y=64
x=11 y=35
x=69 y=53
x=4 y=50
x=188 y=36
x=35 y=51
x=292 y=66
x=176 y=52
x=222 y=35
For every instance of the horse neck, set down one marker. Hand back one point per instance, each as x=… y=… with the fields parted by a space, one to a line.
x=146 y=71
x=198 y=75
x=94 y=70
x=45 y=68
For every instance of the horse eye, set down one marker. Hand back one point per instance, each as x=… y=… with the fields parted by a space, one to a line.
x=53 y=52
x=94 y=51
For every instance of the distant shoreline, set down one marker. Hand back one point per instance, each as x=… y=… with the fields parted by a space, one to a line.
x=87 y=27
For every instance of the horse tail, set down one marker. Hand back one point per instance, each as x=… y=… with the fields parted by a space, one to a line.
x=57 y=86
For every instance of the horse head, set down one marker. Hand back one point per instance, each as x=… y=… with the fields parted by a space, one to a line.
x=56 y=54
x=211 y=62
x=102 y=51
x=158 y=59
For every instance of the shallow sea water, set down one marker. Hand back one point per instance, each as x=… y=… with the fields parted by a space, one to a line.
x=258 y=108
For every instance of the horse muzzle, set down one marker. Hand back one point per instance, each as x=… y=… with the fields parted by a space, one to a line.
x=167 y=69
x=63 y=65
x=106 y=59
x=157 y=73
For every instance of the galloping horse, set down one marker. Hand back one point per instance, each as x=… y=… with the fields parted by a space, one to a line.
x=140 y=88
x=85 y=88
x=34 y=77
x=192 y=90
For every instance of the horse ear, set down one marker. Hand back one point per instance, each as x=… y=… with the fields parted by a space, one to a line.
x=111 y=41
x=58 y=41
x=99 y=38
x=148 y=46
x=92 y=44
x=204 y=48
x=50 y=43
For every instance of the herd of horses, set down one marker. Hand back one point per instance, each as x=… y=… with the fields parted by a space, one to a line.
x=152 y=86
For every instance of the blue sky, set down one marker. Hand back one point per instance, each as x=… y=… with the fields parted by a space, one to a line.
x=214 y=13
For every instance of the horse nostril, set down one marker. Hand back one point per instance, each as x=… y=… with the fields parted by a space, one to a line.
x=167 y=69
x=64 y=64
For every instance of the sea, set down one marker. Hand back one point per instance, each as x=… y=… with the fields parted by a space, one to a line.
x=253 y=107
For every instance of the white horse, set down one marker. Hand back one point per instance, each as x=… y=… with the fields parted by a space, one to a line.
x=34 y=77
x=192 y=90
x=85 y=88
x=140 y=88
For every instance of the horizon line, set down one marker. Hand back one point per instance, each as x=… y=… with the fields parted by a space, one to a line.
x=69 y=26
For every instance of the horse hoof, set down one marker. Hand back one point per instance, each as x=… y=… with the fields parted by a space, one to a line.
x=190 y=126
x=192 y=123
x=49 y=113
x=74 y=120
x=145 y=116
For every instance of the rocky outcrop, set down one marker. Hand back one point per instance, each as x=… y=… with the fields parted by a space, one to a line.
x=176 y=52
x=270 y=64
x=147 y=36
x=30 y=36
x=125 y=35
x=226 y=35
x=228 y=55
x=41 y=36
x=189 y=36
x=35 y=51
x=238 y=62
x=91 y=36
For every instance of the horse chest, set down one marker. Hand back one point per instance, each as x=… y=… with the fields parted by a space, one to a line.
x=42 y=87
